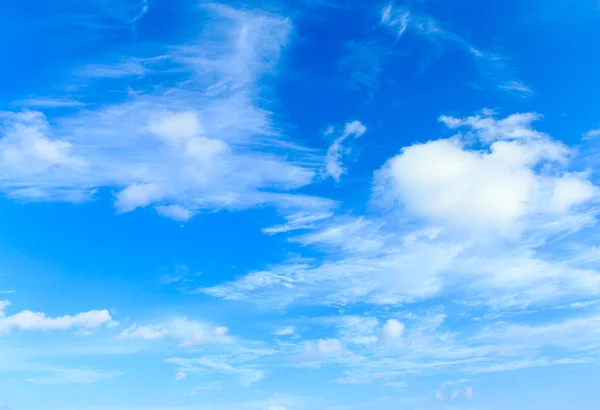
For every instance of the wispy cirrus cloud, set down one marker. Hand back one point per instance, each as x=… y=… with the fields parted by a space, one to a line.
x=402 y=20
x=206 y=142
x=592 y=133
x=245 y=374
x=73 y=376
x=47 y=103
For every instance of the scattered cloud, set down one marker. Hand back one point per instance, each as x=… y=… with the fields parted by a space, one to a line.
x=298 y=221
x=3 y=305
x=26 y=149
x=580 y=333
x=143 y=332
x=392 y=330
x=206 y=143
x=333 y=161
x=30 y=321
x=592 y=134
x=472 y=213
x=454 y=382
x=401 y=20
x=193 y=333
x=246 y=375
x=285 y=331
x=466 y=393
x=322 y=350
x=175 y=212
x=189 y=332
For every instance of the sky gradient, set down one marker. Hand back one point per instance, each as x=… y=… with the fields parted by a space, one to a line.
x=299 y=205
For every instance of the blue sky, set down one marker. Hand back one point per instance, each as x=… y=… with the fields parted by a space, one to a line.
x=302 y=204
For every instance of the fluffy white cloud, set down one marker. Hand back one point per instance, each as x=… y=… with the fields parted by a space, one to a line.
x=519 y=175
x=27 y=320
x=333 y=161
x=392 y=330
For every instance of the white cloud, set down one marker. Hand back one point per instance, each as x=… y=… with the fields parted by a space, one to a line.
x=297 y=221
x=175 y=212
x=27 y=320
x=580 y=333
x=144 y=332
x=369 y=263
x=189 y=332
x=357 y=330
x=3 y=305
x=138 y=195
x=592 y=134
x=402 y=20
x=285 y=331
x=509 y=366
x=457 y=394
x=454 y=382
x=181 y=376
x=365 y=273
x=26 y=148
x=322 y=349
x=208 y=143
x=444 y=181
x=392 y=330
x=333 y=161
x=194 y=333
